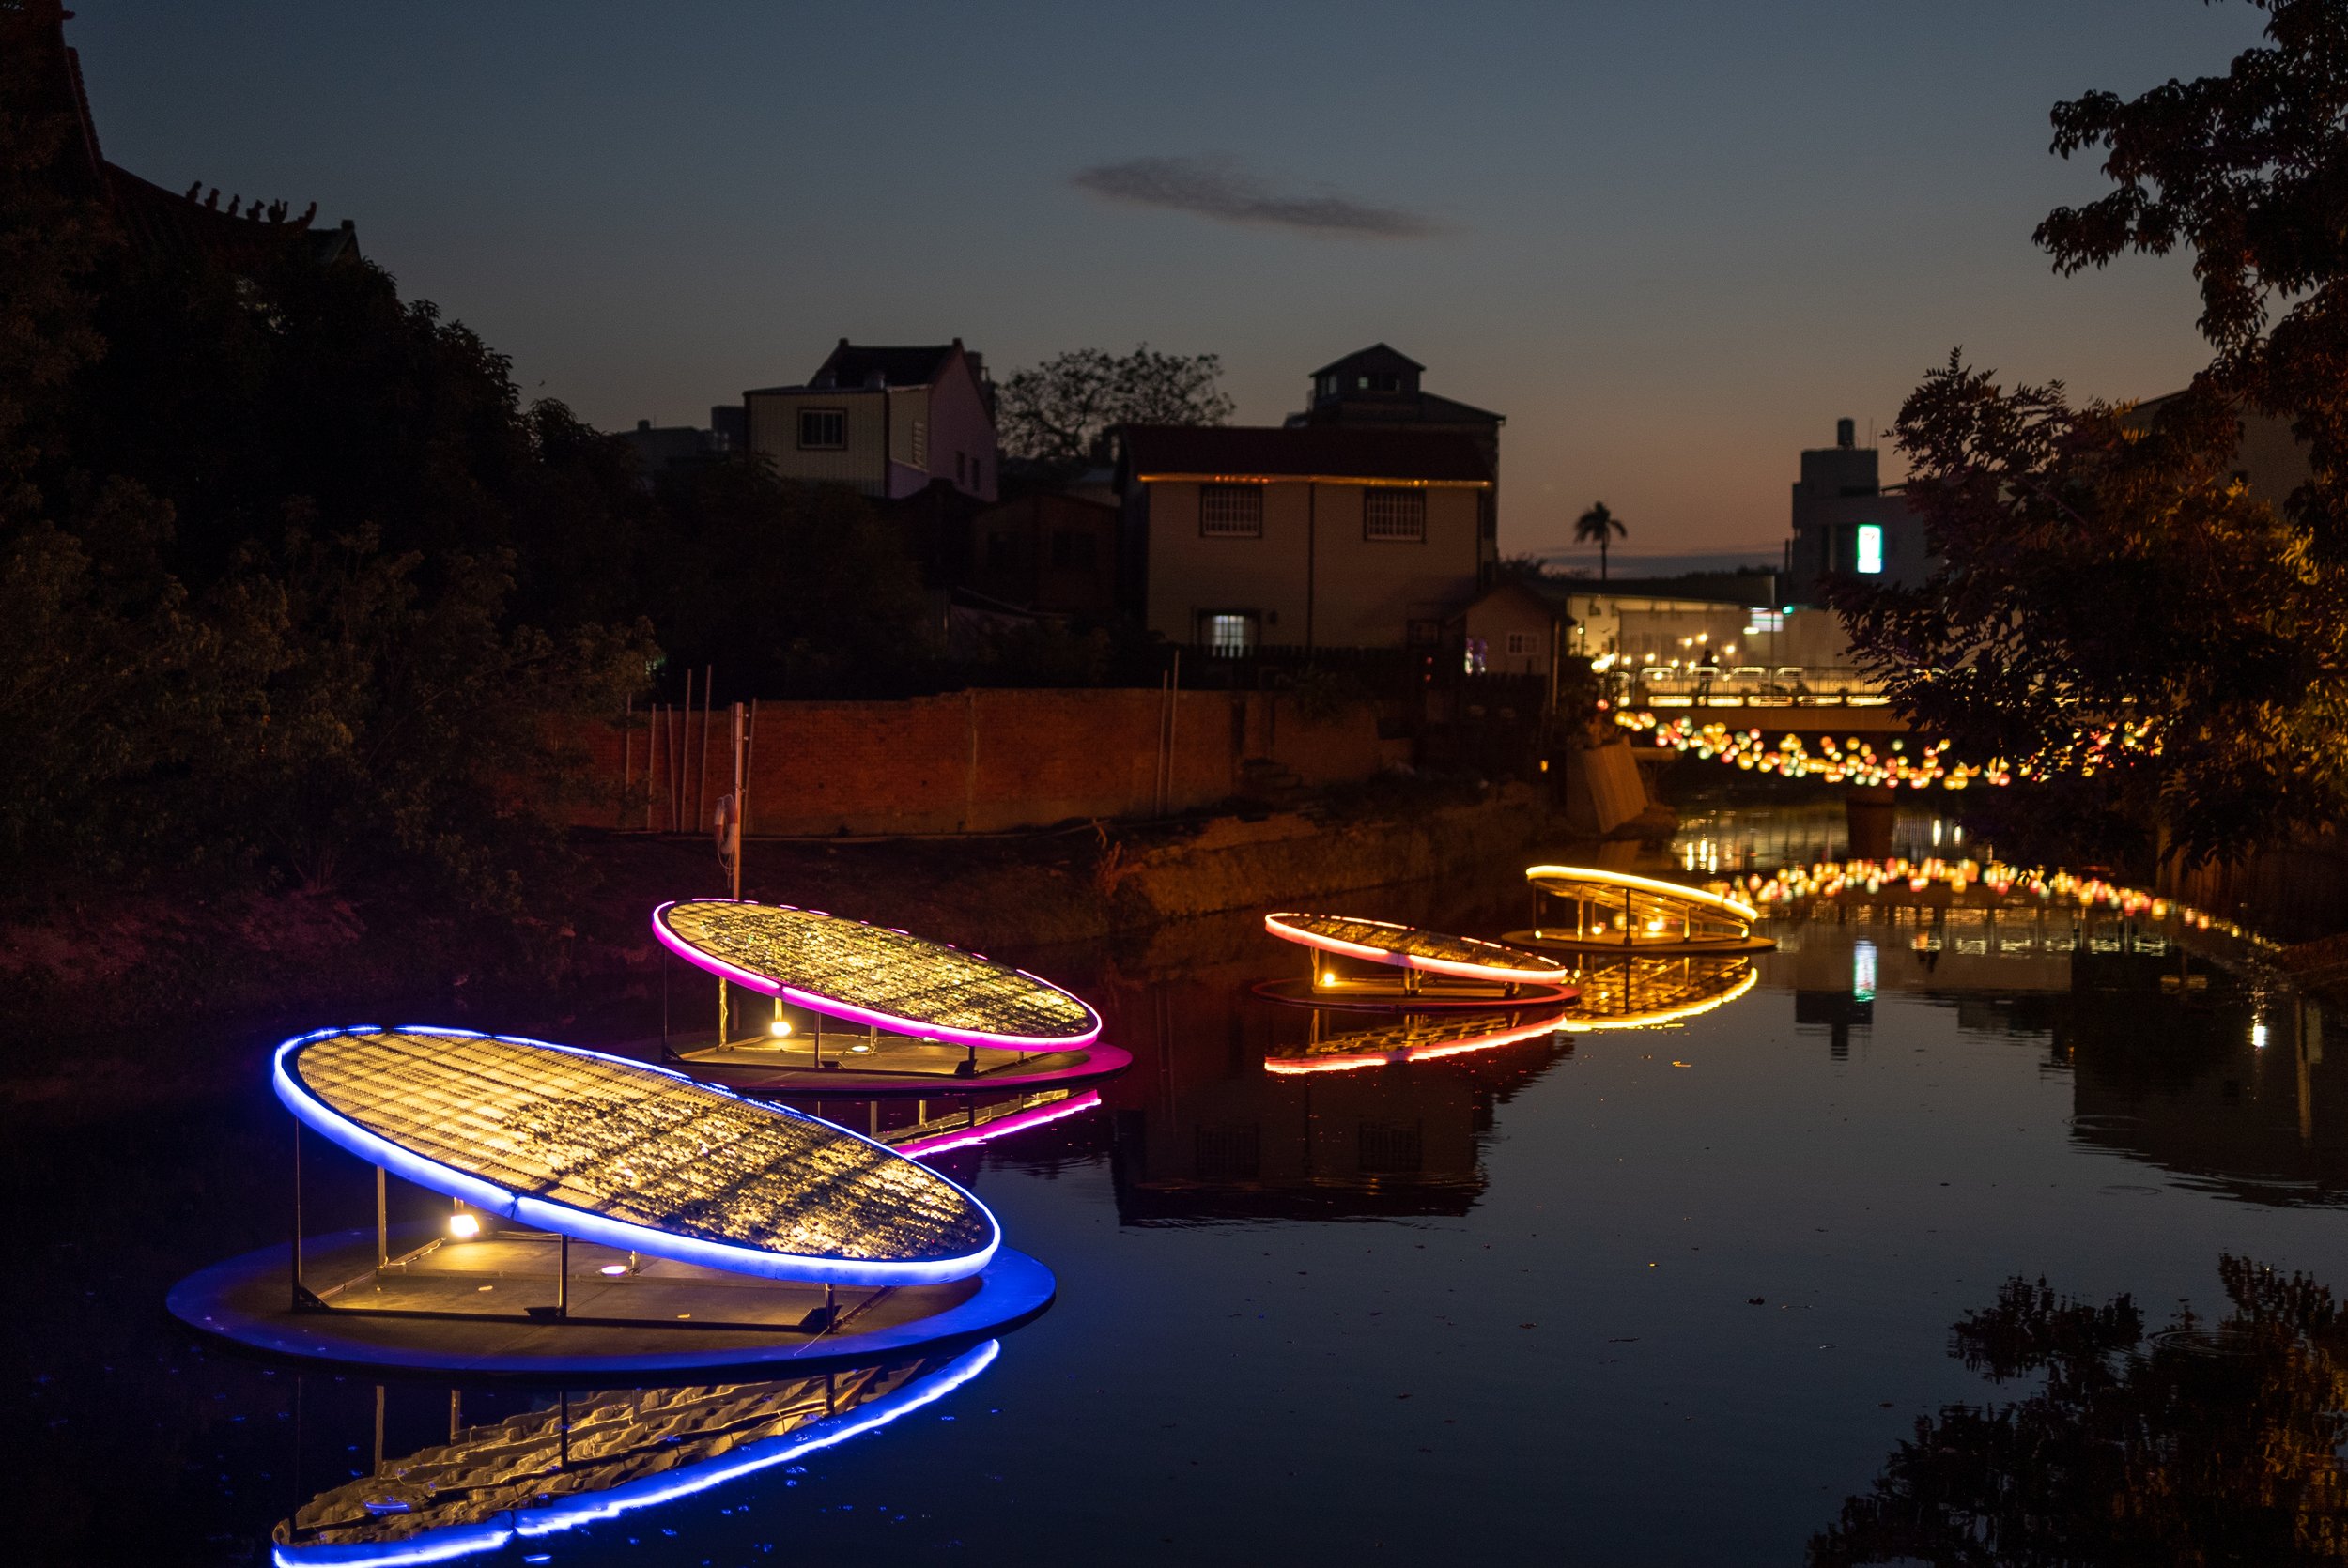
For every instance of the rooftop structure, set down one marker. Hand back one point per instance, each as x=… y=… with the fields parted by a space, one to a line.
x=155 y=221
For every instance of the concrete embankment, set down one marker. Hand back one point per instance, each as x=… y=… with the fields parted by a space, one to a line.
x=114 y=963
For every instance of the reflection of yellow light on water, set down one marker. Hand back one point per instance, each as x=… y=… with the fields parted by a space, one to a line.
x=1662 y=1015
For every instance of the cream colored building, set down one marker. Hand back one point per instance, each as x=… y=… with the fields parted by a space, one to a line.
x=886 y=421
x=1241 y=537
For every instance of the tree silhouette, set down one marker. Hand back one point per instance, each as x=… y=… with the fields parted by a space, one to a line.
x=2205 y=1443
x=1600 y=526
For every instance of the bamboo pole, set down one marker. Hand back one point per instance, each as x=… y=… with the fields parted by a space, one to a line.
x=700 y=802
x=750 y=767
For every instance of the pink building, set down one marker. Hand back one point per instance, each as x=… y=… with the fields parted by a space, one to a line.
x=886 y=421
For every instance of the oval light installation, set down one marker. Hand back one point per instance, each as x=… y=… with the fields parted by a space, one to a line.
x=1403 y=946
x=874 y=974
x=1617 y=912
x=612 y=1151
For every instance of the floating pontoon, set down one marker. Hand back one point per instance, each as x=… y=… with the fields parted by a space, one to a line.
x=605 y=1213
x=1437 y=970
x=1579 y=909
x=916 y=1012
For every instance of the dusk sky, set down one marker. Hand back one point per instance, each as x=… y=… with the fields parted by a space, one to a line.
x=1672 y=243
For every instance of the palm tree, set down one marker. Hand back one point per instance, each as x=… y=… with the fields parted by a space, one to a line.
x=1598 y=527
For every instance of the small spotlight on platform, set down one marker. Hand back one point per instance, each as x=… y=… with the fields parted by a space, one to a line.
x=780 y=1028
x=463 y=1227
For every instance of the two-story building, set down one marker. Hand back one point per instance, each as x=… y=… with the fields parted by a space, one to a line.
x=1379 y=387
x=886 y=421
x=1312 y=536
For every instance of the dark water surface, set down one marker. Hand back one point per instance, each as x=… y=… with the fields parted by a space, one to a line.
x=1663 y=1296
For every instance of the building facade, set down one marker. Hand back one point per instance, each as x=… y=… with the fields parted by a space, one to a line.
x=1055 y=554
x=886 y=421
x=1235 y=538
x=1847 y=524
x=1378 y=388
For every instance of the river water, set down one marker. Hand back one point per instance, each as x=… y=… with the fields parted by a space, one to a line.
x=1675 y=1295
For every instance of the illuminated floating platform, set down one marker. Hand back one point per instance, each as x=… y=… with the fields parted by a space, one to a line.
x=613 y=1205
x=871 y=974
x=1437 y=970
x=599 y=1457
x=1414 y=1040
x=1615 y=911
x=928 y=1012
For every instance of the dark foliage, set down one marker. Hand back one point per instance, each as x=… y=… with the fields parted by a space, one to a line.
x=2113 y=607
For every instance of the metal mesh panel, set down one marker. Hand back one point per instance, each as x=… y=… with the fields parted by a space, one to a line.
x=639 y=1146
x=880 y=970
x=1411 y=942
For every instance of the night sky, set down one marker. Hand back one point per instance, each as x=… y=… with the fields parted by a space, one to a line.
x=1671 y=241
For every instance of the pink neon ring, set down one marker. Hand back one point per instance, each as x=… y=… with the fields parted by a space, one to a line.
x=832 y=1006
x=1456 y=968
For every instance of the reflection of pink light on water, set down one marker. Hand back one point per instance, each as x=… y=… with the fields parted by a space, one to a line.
x=1018 y=1121
x=1287 y=1067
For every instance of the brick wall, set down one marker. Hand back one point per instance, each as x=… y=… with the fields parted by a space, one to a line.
x=971 y=761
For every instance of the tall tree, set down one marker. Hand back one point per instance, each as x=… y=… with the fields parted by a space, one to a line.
x=1061 y=412
x=2112 y=606
x=2250 y=172
x=1598 y=526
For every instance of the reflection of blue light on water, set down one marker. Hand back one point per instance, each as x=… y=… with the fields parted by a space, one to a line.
x=440 y=1545
x=1862 y=971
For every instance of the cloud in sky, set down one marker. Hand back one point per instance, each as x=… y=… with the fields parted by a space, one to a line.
x=1221 y=189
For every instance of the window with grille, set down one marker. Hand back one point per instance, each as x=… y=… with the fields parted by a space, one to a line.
x=1394 y=515
x=1524 y=642
x=1228 y=634
x=823 y=429
x=1231 y=511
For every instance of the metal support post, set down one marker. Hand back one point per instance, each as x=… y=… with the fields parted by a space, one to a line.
x=563 y=1277
x=382 y=1221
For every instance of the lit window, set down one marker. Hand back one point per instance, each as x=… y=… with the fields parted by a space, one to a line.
x=823 y=429
x=1869 y=553
x=1399 y=514
x=1231 y=511
x=1228 y=634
